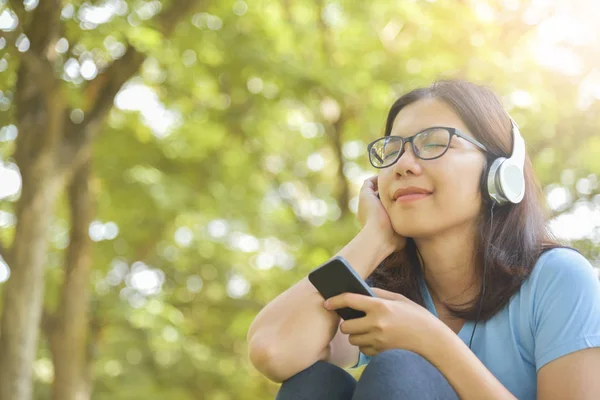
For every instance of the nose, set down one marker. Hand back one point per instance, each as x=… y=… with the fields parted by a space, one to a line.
x=408 y=161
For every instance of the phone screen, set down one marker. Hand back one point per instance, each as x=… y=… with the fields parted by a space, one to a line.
x=336 y=277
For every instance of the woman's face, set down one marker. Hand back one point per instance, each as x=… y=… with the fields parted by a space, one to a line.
x=452 y=179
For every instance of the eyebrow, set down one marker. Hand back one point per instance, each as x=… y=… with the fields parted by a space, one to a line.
x=422 y=130
x=457 y=132
x=460 y=132
x=419 y=131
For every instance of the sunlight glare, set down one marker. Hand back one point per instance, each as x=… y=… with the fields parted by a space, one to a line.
x=10 y=180
x=139 y=97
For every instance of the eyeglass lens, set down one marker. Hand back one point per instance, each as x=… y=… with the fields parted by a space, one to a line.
x=427 y=145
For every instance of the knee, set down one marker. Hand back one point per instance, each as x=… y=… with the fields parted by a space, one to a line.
x=397 y=360
x=401 y=373
x=321 y=380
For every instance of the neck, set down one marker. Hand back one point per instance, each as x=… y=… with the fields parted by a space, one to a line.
x=449 y=266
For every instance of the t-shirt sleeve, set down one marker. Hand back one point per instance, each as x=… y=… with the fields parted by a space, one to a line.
x=566 y=306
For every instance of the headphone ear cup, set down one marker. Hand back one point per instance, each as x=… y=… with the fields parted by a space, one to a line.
x=511 y=181
x=493 y=184
x=504 y=179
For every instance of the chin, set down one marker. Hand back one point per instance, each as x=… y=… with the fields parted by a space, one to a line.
x=413 y=230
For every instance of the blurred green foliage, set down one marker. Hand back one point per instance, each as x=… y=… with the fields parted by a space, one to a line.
x=229 y=166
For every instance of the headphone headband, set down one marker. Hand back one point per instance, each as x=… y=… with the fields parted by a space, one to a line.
x=518 y=150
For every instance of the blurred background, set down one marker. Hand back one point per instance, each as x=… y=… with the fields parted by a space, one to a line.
x=169 y=167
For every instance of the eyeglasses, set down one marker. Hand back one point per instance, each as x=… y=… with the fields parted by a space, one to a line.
x=428 y=144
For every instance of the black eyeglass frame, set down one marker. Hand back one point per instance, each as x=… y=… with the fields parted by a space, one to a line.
x=410 y=139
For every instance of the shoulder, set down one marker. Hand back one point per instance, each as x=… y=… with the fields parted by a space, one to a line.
x=563 y=281
x=561 y=266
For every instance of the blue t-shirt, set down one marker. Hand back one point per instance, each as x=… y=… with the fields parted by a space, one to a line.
x=555 y=312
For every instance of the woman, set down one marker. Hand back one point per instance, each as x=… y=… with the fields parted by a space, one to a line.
x=474 y=298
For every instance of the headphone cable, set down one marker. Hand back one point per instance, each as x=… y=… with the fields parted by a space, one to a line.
x=485 y=265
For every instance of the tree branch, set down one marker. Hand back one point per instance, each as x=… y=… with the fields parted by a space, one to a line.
x=48 y=323
x=71 y=335
x=42 y=32
x=343 y=191
x=105 y=87
x=169 y=20
x=325 y=34
x=39 y=68
x=335 y=127
x=285 y=4
x=46 y=14
x=19 y=9
x=41 y=71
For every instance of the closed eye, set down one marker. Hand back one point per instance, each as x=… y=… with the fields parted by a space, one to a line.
x=391 y=155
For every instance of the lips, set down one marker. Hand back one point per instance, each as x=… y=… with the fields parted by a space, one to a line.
x=408 y=191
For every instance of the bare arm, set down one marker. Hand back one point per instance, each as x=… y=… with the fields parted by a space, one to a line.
x=461 y=367
x=294 y=330
x=571 y=376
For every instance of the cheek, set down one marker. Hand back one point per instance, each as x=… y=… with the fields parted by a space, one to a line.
x=460 y=191
x=383 y=182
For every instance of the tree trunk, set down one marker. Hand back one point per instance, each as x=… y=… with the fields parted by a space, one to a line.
x=23 y=292
x=48 y=149
x=40 y=124
x=68 y=338
x=39 y=116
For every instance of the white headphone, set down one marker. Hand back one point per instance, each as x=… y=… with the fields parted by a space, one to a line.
x=505 y=180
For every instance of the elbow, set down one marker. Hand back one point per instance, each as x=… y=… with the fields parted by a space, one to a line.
x=266 y=359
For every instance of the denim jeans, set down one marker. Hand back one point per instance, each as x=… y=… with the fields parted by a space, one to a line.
x=393 y=374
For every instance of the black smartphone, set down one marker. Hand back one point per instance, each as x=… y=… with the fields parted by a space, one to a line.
x=336 y=277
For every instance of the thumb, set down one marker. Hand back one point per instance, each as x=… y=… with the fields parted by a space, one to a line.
x=386 y=294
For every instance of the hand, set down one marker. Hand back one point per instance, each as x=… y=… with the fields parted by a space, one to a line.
x=371 y=210
x=391 y=322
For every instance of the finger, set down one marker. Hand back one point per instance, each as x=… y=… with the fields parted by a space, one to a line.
x=386 y=294
x=371 y=183
x=370 y=351
x=352 y=300
x=354 y=326
x=361 y=340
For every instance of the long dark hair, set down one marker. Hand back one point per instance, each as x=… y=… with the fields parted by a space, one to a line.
x=519 y=231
